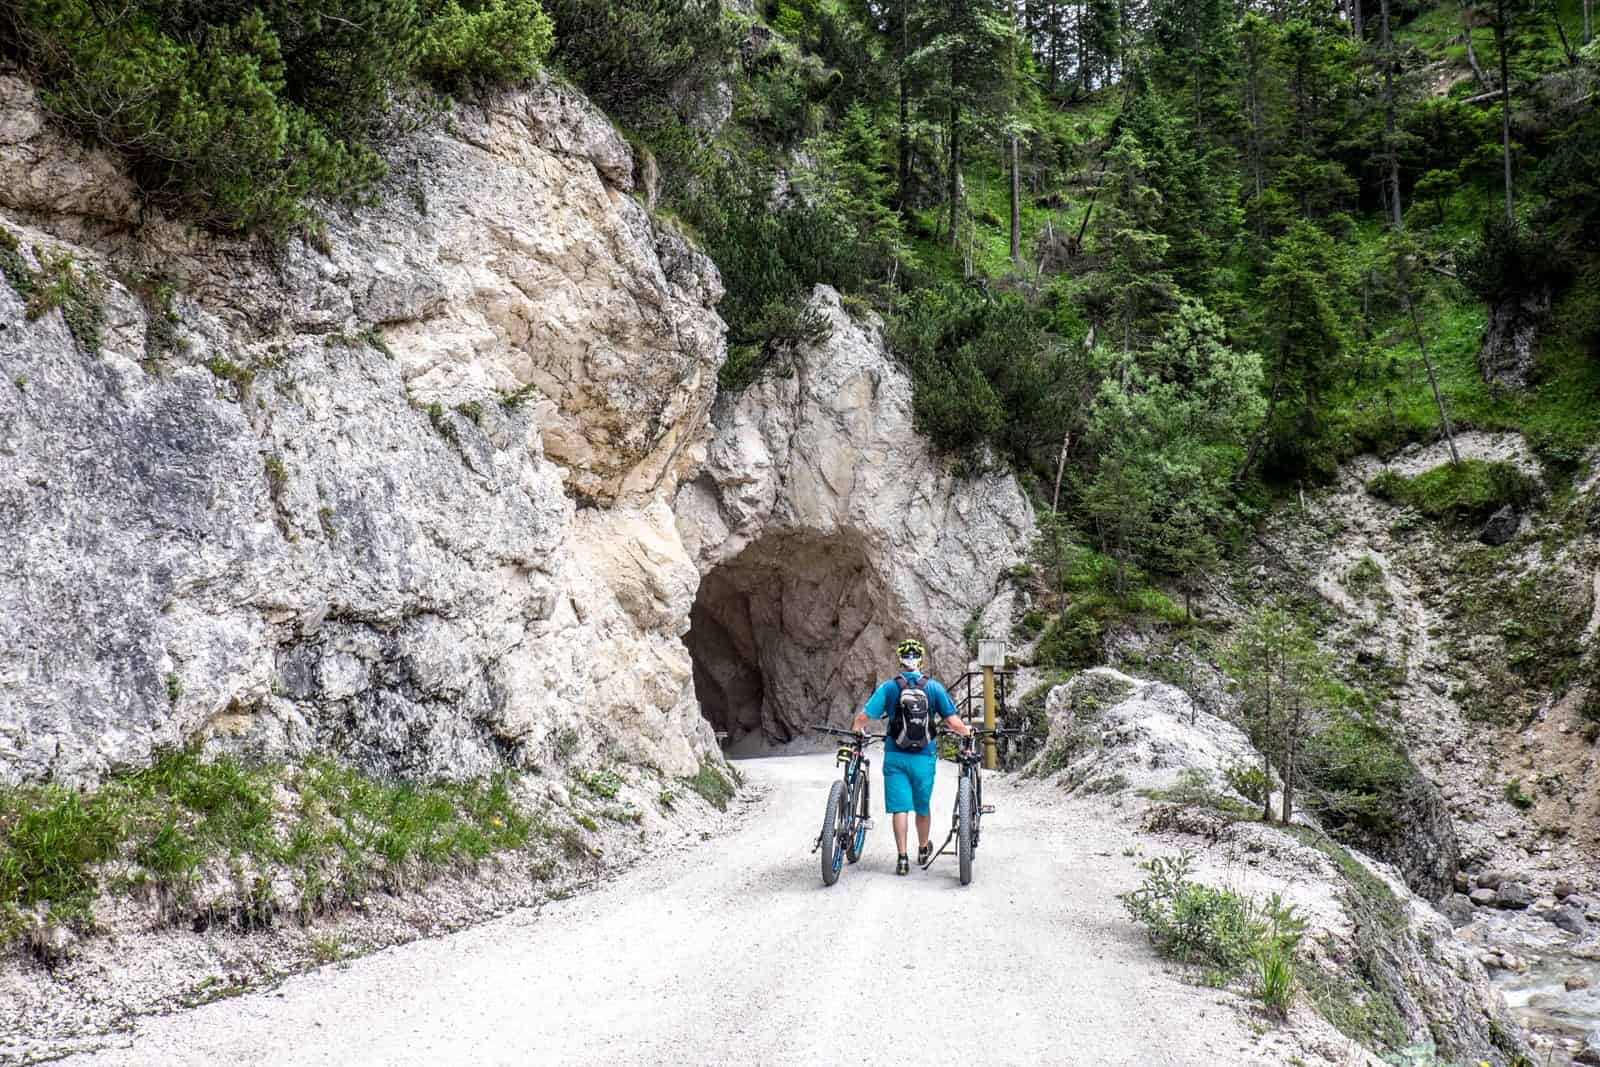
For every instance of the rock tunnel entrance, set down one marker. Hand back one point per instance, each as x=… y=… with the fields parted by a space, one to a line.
x=792 y=631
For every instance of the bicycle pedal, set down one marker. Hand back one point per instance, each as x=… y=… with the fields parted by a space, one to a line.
x=987 y=809
x=866 y=824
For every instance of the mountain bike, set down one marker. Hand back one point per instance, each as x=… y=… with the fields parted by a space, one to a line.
x=967 y=820
x=847 y=818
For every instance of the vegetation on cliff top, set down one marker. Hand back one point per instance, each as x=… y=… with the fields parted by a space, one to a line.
x=240 y=115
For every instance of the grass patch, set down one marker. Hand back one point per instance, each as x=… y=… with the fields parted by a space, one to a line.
x=1091 y=596
x=1357 y=996
x=1364 y=579
x=1195 y=789
x=337 y=831
x=712 y=785
x=240 y=376
x=79 y=294
x=1466 y=492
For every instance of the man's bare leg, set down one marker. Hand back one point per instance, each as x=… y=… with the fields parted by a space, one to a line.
x=924 y=827
x=900 y=818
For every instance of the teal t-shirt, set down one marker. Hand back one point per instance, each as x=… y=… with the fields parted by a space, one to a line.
x=887 y=697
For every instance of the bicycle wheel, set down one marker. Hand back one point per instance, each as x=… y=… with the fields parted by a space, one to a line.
x=832 y=850
x=964 y=817
x=859 y=809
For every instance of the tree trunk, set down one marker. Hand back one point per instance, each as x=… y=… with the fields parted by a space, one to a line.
x=1291 y=746
x=1588 y=24
x=1505 y=104
x=1061 y=467
x=1083 y=48
x=904 y=174
x=955 y=175
x=1016 y=206
x=1433 y=380
x=1472 y=54
x=1393 y=157
x=1016 y=177
x=1561 y=31
x=1355 y=20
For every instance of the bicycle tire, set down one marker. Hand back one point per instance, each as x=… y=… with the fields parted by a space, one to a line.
x=977 y=807
x=831 y=846
x=964 y=827
x=856 y=840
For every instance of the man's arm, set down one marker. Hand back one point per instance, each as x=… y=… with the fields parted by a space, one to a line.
x=872 y=710
x=947 y=708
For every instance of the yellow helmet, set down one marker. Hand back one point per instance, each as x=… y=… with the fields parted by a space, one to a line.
x=910 y=647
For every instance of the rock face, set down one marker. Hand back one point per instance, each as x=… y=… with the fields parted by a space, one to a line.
x=340 y=506
x=1109 y=732
x=826 y=529
x=1506 y=356
x=1368 y=934
x=407 y=493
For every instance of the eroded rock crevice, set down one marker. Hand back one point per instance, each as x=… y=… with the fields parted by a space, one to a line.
x=791 y=631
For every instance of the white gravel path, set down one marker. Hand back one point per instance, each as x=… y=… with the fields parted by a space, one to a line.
x=734 y=952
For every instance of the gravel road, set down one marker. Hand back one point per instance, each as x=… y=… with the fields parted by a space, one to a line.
x=732 y=951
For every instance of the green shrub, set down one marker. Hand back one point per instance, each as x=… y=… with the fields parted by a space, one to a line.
x=626 y=53
x=1507 y=261
x=1219 y=929
x=240 y=115
x=484 y=41
x=1248 y=780
x=770 y=260
x=605 y=784
x=13 y=266
x=1357 y=772
x=1515 y=796
x=1072 y=640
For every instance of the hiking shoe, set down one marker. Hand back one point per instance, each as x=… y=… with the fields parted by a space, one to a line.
x=923 y=853
x=902 y=865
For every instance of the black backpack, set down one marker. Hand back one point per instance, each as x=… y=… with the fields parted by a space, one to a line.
x=912 y=727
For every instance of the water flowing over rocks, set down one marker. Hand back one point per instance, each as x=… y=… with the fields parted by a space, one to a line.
x=826 y=528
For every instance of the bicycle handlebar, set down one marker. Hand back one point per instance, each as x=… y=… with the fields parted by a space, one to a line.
x=835 y=731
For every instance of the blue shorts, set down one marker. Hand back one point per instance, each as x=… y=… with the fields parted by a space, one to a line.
x=908 y=781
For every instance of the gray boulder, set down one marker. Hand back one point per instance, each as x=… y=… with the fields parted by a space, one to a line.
x=1513 y=895
x=1567 y=918
x=1501 y=527
x=1457 y=908
x=1481 y=897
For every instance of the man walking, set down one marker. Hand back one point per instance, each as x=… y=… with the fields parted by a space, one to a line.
x=910 y=701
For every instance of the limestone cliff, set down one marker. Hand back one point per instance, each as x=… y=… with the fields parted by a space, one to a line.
x=827 y=528
x=406 y=490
